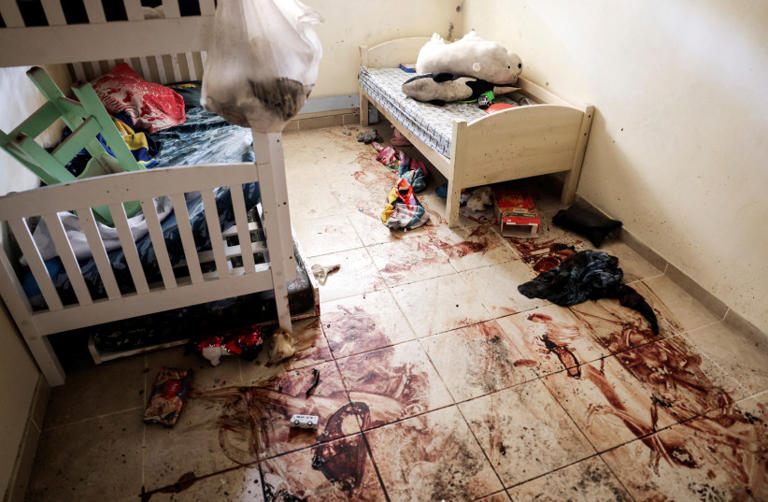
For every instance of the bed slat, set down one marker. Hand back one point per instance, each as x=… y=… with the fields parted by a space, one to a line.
x=158 y=242
x=35 y=262
x=129 y=248
x=98 y=252
x=161 y=69
x=79 y=69
x=53 y=12
x=243 y=235
x=214 y=230
x=176 y=68
x=187 y=239
x=191 y=65
x=95 y=11
x=67 y=255
x=171 y=8
x=133 y=10
x=147 y=74
x=207 y=8
x=9 y=9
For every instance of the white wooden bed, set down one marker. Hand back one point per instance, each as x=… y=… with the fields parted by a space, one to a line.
x=548 y=137
x=162 y=50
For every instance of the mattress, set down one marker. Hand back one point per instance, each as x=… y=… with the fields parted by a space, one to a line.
x=431 y=123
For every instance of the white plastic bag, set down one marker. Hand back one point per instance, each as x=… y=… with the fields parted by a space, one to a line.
x=262 y=62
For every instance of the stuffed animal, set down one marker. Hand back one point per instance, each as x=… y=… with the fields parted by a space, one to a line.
x=442 y=88
x=471 y=56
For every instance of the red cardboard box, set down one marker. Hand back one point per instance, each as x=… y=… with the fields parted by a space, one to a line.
x=515 y=212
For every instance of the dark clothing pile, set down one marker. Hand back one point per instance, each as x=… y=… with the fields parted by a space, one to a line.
x=588 y=275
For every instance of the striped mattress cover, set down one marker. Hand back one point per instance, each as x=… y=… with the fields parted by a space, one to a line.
x=430 y=123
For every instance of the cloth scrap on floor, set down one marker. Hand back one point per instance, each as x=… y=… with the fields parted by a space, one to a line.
x=390 y=157
x=585 y=222
x=321 y=272
x=403 y=210
x=169 y=393
x=588 y=275
x=414 y=171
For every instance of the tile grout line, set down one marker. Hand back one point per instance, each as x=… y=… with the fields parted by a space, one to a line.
x=94 y=417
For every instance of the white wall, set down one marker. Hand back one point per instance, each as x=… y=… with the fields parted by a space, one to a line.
x=679 y=145
x=349 y=24
x=18 y=372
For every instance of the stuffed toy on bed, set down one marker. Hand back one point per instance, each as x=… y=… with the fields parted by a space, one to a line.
x=471 y=56
x=442 y=88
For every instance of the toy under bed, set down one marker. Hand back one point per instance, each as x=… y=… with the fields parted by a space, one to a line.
x=204 y=138
x=432 y=124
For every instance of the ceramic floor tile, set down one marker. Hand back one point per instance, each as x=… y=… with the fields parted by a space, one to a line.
x=551 y=339
x=618 y=328
x=441 y=304
x=524 y=432
x=357 y=274
x=239 y=484
x=97 y=459
x=192 y=445
x=675 y=464
x=607 y=403
x=496 y=497
x=257 y=417
x=681 y=380
x=472 y=246
x=309 y=202
x=327 y=234
x=432 y=457
x=497 y=287
x=366 y=220
x=204 y=376
x=410 y=260
x=634 y=266
x=674 y=303
x=476 y=360
x=741 y=355
x=362 y=323
x=336 y=471
x=393 y=383
x=96 y=390
x=737 y=438
x=549 y=249
x=310 y=344
x=587 y=481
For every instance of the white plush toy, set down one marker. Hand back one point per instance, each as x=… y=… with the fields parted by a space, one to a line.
x=471 y=56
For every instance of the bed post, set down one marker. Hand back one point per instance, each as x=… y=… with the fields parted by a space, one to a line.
x=363 y=97
x=572 y=178
x=38 y=344
x=268 y=148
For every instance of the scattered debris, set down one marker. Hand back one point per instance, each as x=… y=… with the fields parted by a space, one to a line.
x=480 y=198
x=398 y=139
x=245 y=342
x=322 y=272
x=516 y=212
x=169 y=393
x=315 y=381
x=304 y=421
x=368 y=136
x=583 y=221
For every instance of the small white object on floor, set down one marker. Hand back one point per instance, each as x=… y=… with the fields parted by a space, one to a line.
x=282 y=346
x=214 y=354
x=321 y=272
x=305 y=421
x=480 y=198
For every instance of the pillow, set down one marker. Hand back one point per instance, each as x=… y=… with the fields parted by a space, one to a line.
x=151 y=106
x=586 y=222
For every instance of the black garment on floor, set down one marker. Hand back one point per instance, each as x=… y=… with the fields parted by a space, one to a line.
x=583 y=221
x=588 y=275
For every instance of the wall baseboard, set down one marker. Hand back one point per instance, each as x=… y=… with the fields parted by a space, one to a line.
x=714 y=304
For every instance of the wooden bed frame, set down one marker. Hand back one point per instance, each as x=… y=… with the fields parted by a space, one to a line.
x=526 y=141
x=163 y=50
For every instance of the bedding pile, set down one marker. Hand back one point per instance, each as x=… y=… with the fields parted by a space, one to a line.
x=203 y=137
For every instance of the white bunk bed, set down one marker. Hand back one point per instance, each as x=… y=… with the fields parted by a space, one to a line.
x=161 y=50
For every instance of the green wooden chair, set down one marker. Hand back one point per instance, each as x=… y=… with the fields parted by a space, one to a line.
x=86 y=118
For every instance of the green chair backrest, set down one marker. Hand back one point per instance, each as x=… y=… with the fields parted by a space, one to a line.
x=87 y=119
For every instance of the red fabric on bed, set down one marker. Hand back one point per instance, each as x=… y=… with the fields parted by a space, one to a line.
x=151 y=106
